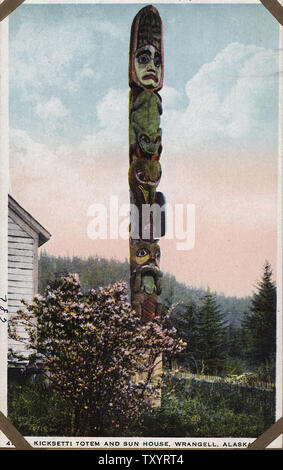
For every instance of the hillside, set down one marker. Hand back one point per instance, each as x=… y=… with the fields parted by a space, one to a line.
x=96 y=271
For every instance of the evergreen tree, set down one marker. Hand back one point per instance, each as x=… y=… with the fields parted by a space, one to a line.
x=259 y=326
x=184 y=319
x=211 y=336
x=233 y=343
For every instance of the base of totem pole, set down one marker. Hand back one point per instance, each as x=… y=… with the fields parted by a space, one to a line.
x=155 y=381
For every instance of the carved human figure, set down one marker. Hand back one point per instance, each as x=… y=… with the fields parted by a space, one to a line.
x=145 y=278
x=148 y=66
x=146 y=50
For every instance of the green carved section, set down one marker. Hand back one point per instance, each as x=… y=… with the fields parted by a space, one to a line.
x=144 y=123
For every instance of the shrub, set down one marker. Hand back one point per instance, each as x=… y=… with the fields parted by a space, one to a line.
x=192 y=408
x=91 y=346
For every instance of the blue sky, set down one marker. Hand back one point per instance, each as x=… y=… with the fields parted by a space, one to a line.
x=65 y=58
x=69 y=129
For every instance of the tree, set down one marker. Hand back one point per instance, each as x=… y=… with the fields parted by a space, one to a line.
x=184 y=319
x=93 y=271
x=91 y=346
x=211 y=336
x=259 y=326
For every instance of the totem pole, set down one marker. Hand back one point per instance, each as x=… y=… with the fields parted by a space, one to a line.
x=147 y=218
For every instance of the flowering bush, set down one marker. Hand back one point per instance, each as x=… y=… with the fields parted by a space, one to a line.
x=92 y=347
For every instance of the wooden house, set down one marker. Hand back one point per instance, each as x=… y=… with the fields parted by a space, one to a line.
x=25 y=236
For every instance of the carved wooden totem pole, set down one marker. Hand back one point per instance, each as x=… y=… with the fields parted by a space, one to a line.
x=146 y=70
x=147 y=218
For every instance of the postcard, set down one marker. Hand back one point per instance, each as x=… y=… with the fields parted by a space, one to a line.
x=141 y=226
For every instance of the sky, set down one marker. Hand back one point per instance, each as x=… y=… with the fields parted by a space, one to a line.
x=69 y=130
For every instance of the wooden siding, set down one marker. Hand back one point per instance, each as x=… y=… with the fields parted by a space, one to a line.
x=22 y=257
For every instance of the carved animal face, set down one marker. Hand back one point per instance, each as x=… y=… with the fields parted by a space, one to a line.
x=144 y=177
x=144 y=254
x=150 y=143
x=144 y=173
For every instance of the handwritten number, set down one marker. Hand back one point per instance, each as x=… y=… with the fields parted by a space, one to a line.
x=5 y=310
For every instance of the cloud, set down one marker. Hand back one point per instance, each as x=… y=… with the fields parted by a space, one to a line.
x=231 y=101
x=111 y=136
x=48 y=52
x=51 y=109
x=34 y=156
x=58 y=188
x=170 y=97
x=57 y=194
x=231 y=110
x=78 y=80
x=108 y=27
x=43 y=54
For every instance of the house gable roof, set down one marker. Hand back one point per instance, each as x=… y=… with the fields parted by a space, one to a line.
x=43 y=234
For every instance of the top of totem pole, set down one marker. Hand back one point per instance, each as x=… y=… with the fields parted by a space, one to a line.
x=146 y=61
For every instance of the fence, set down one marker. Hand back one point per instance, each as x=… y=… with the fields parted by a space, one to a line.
x=246 y=380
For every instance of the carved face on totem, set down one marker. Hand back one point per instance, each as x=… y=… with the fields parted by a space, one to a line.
x=148 y=66
x=143 y=253
x=150 y=143
x=144 y=175
x=146 y=50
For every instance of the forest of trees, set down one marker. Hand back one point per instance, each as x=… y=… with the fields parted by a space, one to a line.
x=216 y=346
x=95 y=271
x=224 y=335
x=228 y=342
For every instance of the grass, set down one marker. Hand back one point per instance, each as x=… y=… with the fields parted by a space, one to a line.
x=190 y=408
x=193 y=408
x=37 y=410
